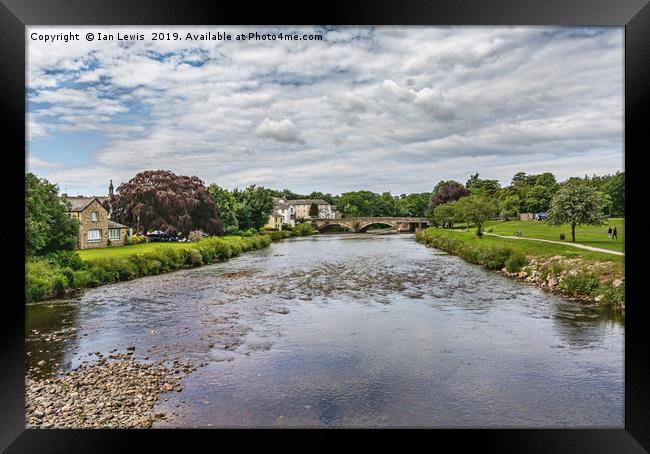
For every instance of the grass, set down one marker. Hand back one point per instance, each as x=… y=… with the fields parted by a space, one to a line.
x=127 y=250
x=596 y=276
x=587 y=235
x=57 y=273
x=528 y=247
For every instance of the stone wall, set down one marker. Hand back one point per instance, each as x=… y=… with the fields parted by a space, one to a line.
x=86 y=223
x=123 y=234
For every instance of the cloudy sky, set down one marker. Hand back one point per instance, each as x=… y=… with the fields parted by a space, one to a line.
x=380 y=108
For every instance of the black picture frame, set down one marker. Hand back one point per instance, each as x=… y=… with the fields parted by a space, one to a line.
x=634 y=15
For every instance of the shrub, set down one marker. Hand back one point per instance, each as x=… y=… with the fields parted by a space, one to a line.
x=613 y=296
x=52 y=275
x=69 y=259
x=136 y=239
x=470 y=253
x=37 y=288
x=191 y=257
x=516 y=262
x=494 y=257
x=38 y=280
x=580 y=284
x=222 y=250
x=248 y=232
x=171 y=258
x=80 y=278
x=557 y=269
x=279 y=235
x=103 y=270
x=232 y=230
x=195 y=235
x=236 y=247
x=303 y=229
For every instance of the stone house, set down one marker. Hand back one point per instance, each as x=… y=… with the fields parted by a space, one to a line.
x=275 y=221
x=96 y=230
x=291 y=211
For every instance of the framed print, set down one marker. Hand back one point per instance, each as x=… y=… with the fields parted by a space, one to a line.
x=413 y=216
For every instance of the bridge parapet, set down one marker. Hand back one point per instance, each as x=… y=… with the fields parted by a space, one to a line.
x=361 y=224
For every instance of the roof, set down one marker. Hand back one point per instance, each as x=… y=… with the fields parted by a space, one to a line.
x=116 y=225
x=307 y=202
x=77 y=203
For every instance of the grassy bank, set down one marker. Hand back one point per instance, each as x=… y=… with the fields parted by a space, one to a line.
x=585 y=275
x=585 y=234
x=61 y=272
x=53 y=275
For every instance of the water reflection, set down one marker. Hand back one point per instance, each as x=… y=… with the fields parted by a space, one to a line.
x=351 y=330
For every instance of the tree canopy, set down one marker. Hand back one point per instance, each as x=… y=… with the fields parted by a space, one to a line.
x=476 y=209
x=578 y=204
x=226 y=207
x=162 y=200
x=47 y=226
x=447 y=191
x=253 y=206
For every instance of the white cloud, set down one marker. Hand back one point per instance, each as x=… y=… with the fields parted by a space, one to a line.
x=282 y=131
x=384 y=108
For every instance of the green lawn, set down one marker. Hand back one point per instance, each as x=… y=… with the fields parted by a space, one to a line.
x=123 y=251
x=588 y=235
x=531 y=247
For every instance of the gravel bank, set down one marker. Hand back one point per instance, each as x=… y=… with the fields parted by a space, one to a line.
x=116 y=392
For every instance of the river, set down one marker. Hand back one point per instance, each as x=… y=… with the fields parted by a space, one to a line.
x=349 y=330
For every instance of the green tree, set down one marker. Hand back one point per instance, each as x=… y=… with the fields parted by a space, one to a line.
x=477 y=209
x=509 y=207
x=538 y=198
x=415 y=204
x=360 y=203
x=545 y=179
x=615 y=188
x=480 y=187
x=253 y=206
x=313 y=210
x=47 y=226
x=577 y=204
x=226 y=206
x=446 y=214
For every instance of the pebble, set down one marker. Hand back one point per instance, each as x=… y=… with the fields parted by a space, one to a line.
x=120 y=393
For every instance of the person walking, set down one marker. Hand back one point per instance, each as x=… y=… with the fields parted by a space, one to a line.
x=609 y=232
x=614 y=235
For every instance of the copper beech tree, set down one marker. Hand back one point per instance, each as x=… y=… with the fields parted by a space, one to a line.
x=161 y=200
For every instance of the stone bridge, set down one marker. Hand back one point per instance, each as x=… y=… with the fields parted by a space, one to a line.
x=403 y=224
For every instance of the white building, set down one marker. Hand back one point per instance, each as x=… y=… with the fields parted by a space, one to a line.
x=289 y=212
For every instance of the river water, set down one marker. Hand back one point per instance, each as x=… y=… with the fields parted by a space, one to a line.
x=351 y=330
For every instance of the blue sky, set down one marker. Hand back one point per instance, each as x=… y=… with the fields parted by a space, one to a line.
x=381 y=108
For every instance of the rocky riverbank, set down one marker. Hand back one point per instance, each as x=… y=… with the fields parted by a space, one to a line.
x=582 y=280
x=115 y=392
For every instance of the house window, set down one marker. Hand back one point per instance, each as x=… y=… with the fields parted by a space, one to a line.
x=113 y=234
x=94 y=216
x=94 y=236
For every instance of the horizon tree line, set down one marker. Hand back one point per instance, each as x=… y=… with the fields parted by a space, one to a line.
x=162 y=200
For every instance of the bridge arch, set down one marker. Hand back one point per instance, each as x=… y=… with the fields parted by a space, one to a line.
x=363 y=226
x=342 y=222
